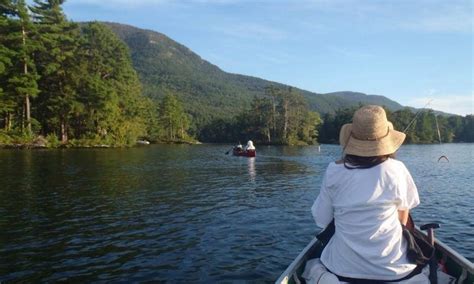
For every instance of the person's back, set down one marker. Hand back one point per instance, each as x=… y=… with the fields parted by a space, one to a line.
x=368 y=242
x=250 y=146
x=368 y=195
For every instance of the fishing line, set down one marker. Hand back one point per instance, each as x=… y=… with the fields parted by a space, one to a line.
x=416 y=115
x=437 y=127
x=408 y=126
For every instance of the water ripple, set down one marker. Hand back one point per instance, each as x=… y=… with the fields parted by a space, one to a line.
x=185 y=214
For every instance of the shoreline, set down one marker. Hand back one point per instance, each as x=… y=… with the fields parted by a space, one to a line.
x=32 y=146
x=37 y=146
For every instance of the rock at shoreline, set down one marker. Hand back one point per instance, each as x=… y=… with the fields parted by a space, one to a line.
x=39 y=142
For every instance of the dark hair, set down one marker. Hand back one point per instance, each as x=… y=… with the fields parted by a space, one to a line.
x=358 y=162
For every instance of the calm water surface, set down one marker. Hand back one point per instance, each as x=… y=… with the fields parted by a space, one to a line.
x=191 y=213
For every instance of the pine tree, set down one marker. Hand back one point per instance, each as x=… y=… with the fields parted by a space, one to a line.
x=6 y=9
x=97 y=91
x=109 y=90
x=280 y=117
x=327 y=132
x=274 y=94
x=467 y=133
x=295 y=114
x=59 y=66
x=455 y=124
x=174 y=120
x=403 y=121
x=7 y=103
x=23 y=77
x=261 y=119
x=426 y=127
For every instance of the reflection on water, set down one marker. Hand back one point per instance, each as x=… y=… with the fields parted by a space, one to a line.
x=251 y=167
x=187 y=214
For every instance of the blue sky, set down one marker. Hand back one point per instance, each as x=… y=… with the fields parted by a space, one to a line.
x=409 y=51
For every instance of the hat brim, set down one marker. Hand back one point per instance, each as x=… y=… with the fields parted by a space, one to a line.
x=370 y=148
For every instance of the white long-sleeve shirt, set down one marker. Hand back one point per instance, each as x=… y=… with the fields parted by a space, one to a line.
x=368 y=241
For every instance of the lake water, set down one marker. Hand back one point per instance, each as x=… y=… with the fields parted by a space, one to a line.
x=191 y=213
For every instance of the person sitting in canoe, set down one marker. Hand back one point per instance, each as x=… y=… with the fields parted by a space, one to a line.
x=368 y=194
x=250 y=147
x=239 y=147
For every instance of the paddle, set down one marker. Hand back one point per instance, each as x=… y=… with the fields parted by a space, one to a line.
x=227 y=153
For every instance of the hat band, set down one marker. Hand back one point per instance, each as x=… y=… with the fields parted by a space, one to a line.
x=371 y=139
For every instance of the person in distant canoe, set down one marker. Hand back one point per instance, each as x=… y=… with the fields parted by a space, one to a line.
x=250 y=147
x=239 y=146
x=368 y=194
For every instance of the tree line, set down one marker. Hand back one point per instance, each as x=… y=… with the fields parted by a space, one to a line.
x=74 y=83
x=419 y=127
x=281 y=116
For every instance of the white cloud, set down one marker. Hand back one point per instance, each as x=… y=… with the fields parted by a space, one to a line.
x=457 y=104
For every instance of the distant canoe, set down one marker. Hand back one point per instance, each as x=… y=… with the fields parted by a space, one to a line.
x=143 y=142
x=244 y=153
x=454 y=264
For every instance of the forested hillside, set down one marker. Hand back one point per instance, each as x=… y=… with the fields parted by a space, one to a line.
x=226 y=107
x=95 y=84
x=74 y=85
x=207 y=92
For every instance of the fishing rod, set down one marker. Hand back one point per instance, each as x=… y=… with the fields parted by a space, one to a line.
x=437 y=127
x=416 y=115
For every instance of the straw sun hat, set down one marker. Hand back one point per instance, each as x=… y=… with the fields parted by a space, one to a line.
x=370 y=134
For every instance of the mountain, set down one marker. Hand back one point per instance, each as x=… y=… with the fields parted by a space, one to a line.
x=165 y=66
x=354 y=98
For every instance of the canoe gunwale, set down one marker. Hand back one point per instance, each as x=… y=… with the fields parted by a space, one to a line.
x=455 y=256
x=291 y=269
x=451 y=253
x=466 y=265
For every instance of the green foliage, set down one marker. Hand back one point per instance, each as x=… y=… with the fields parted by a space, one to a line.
x=111 y=92
x=79 y=85
x=422 y=129
x=57 y=62
x=208 y=94
x=308 y=130
x=53 y=141
x=173 y=119
x=13 y=137
x=22 y=82
x=466 y=134
x=7 y=102
x=80 y=82
x=223 y=131
x=5 y=138
x=332 y=123
x=281 y=117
